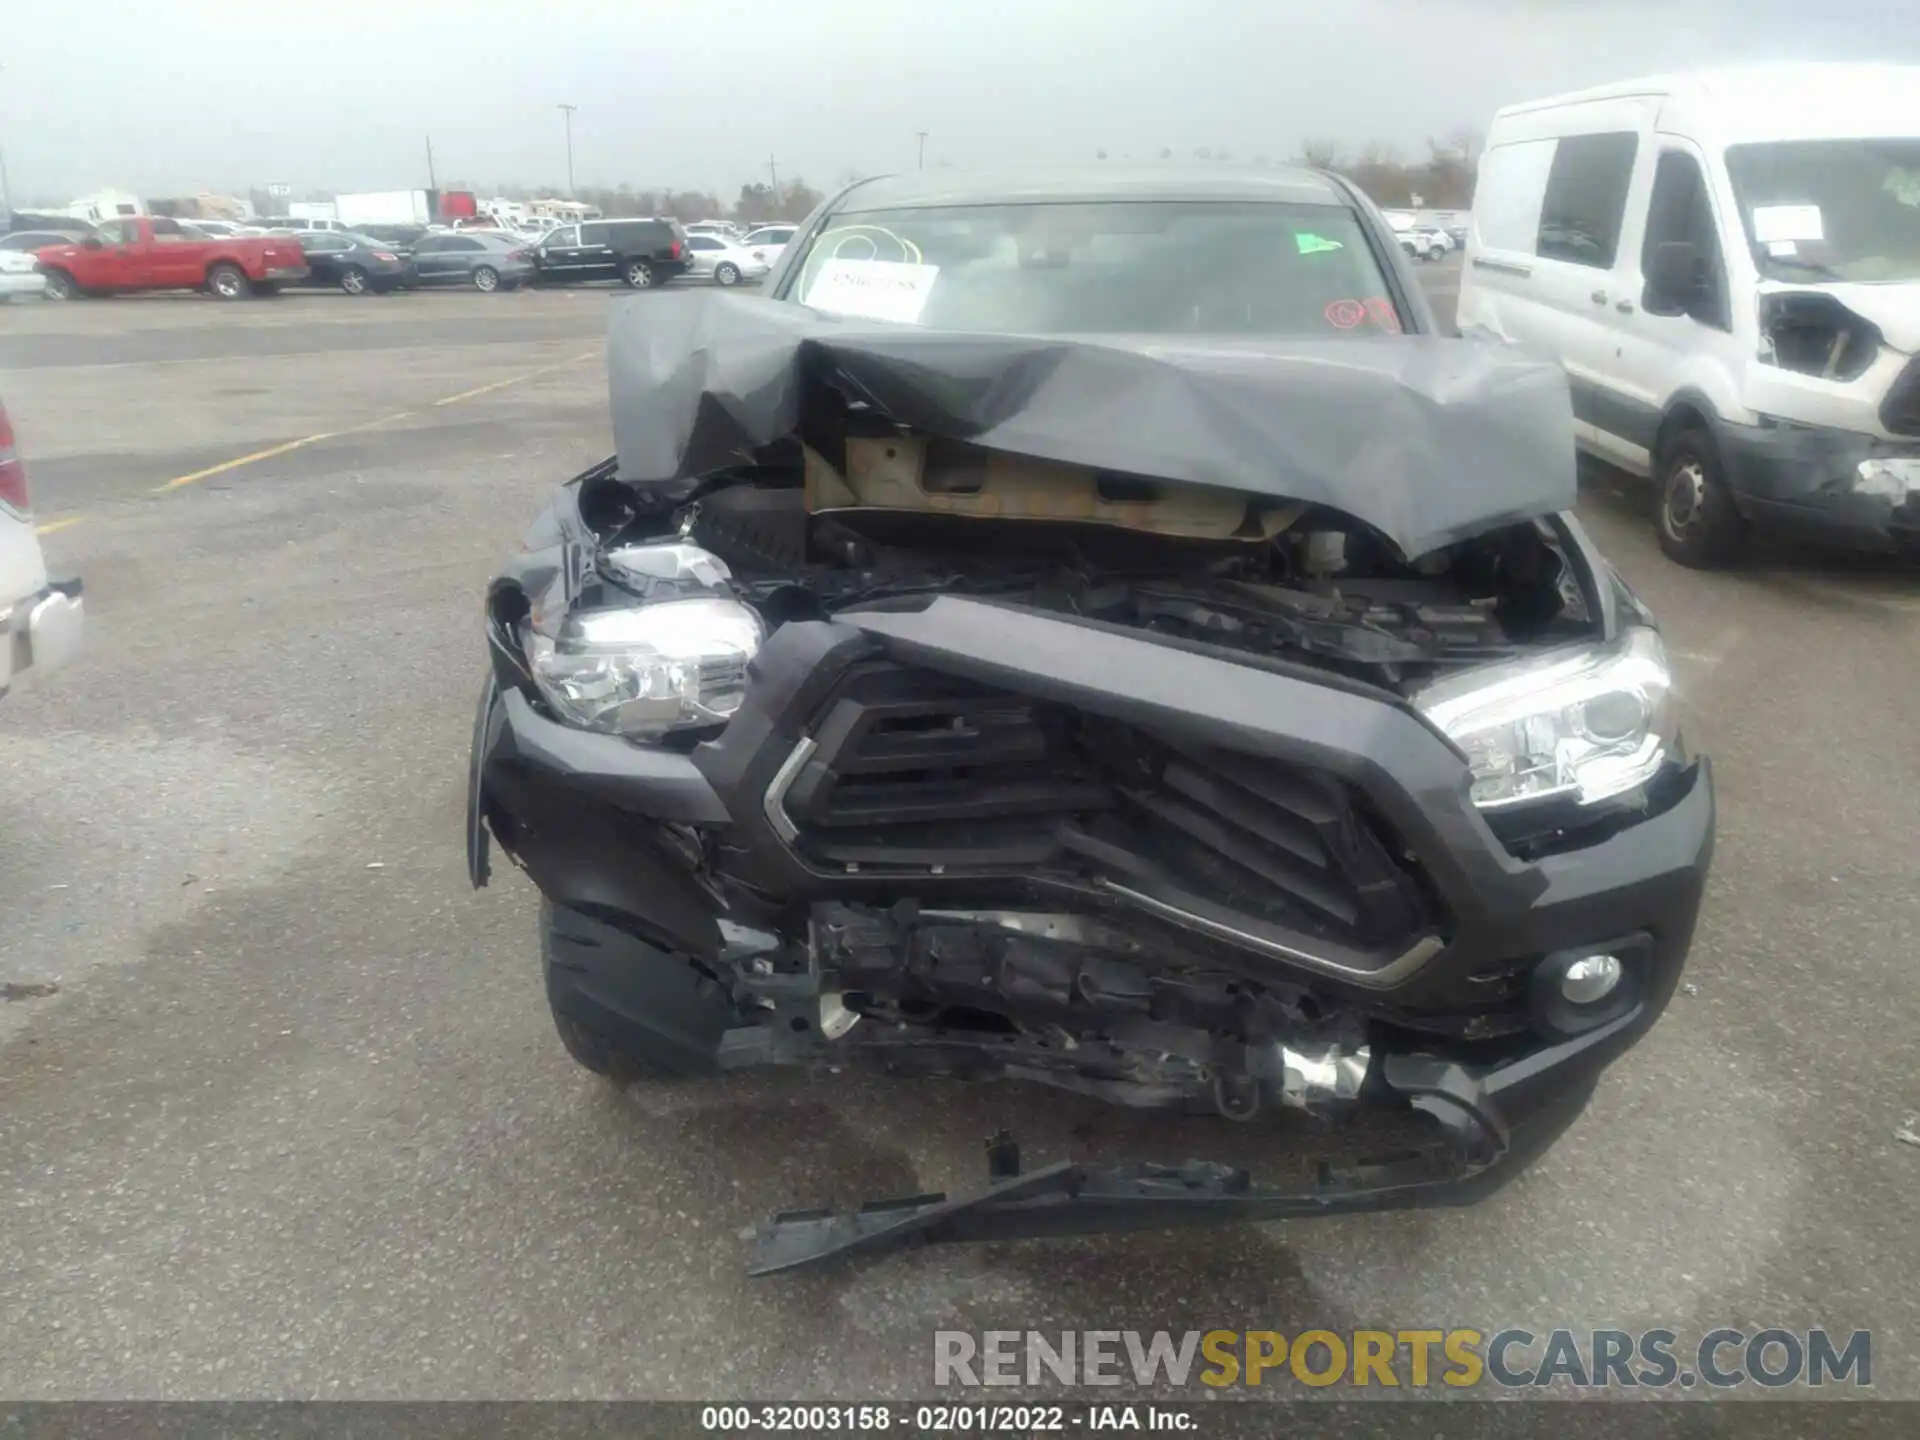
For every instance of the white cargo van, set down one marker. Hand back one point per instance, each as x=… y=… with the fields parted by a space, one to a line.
x=1727 y=263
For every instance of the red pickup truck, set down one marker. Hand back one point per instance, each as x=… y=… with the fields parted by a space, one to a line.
x=140 y=252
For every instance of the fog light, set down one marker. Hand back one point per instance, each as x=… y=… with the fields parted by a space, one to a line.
x=1590 y=978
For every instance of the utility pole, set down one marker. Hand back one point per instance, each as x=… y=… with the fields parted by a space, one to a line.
x=773 y=178
x=923 y=149
x=431 y=184
x=567 y=111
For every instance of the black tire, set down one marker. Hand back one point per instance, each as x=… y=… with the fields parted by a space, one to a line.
x=61 y=286
x=485 y=279
x=625 y=1009
x=726 y=273
x=228 y=282
x=1698 y=523
x=353 y=280
x=638 y=274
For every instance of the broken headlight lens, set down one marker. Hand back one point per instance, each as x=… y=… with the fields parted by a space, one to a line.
x=642 y=672
x=1592 y=723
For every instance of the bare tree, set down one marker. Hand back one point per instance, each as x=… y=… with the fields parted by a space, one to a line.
x=1320 y=153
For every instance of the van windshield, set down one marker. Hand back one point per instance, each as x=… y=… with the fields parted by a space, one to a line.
x=1138 y=267
x=1831 y=209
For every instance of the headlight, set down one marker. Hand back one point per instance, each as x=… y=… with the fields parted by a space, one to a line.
x=1593 y=722
x=645 y=670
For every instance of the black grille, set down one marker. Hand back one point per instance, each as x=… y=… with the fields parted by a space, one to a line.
x=1900 y=411
x=919 y=772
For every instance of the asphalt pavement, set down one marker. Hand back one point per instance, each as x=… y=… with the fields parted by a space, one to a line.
x=281 y=1111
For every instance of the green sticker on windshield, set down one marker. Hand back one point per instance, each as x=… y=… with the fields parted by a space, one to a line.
x=1904 y=186
x=1315 y=244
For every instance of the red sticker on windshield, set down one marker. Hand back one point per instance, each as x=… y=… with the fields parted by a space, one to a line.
x=1381 y=310
x=1345 y=314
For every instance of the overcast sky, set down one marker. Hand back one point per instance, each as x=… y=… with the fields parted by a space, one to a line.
x=172 y=96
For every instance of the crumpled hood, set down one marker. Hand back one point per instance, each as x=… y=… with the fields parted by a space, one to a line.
x=1894 y=307
x=1428 y=439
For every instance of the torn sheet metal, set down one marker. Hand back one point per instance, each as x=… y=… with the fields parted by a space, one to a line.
x=1428 y=439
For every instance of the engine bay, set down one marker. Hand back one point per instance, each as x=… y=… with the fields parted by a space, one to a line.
x=805 y=538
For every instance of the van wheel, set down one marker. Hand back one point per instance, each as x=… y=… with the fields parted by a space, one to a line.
x=1699 y=525
x=60 y=286
x=226 y=282
x=638 y=275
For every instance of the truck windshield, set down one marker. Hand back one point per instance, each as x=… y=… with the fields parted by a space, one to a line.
x=1831 y=209
x=1091 y=268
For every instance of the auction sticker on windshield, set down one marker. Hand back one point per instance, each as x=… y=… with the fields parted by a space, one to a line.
x=1787 y=222
x=872 y=289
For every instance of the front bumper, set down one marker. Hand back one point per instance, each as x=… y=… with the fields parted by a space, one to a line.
x=22 y=282
x=42 y=632
x=575 y=810
x=1804 y=478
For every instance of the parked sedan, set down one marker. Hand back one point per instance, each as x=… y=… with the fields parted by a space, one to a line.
x=485 y=259
x=397 y=237
x=723 y=261
x=771 y=238
x=20 y=275
x=358 y=264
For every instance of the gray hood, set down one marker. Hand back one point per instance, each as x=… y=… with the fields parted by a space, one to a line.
x=1426 y=438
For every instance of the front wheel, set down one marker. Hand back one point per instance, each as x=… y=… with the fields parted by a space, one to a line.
x=1699 y=525
x=638 y=275
x=726 y=273
x=353 y=280
x=625 y=1009
x=486 y=279
x=227 y=282
x=60 y=286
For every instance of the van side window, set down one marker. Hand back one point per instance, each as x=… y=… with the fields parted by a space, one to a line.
x=1506 y=196
x=1680 y=211
x=1586 y=199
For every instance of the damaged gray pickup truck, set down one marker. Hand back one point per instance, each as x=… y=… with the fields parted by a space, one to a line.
x=1090 y=630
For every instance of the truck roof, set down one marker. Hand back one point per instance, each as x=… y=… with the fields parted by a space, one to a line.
x=925 y=189
x=1783 y=100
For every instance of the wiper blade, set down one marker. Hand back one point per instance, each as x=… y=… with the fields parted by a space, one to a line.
x=1814 y=267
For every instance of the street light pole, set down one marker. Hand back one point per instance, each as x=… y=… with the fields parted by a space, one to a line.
x=567 y=111
x=923 y=149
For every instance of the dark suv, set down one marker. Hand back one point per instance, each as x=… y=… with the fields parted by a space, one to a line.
x=643 y=253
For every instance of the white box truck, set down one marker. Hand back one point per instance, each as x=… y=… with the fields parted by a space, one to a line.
x=386 y=207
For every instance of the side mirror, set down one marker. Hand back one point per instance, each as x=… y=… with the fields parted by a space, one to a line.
x=92 y=242
x=1673 y=275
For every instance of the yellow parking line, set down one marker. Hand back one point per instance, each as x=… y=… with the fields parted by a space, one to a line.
x=305 y=440
x=226 y=465
x=50 y=526
x=482 y=390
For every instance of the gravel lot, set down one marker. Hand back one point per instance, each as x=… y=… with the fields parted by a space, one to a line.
x=295 y=1123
